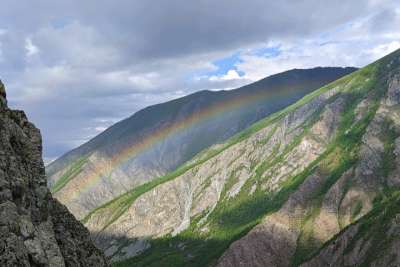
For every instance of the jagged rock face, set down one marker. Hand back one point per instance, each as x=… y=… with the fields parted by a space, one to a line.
x=393 y=97
x=69 y=176
x=276 y=194
x=35 y=229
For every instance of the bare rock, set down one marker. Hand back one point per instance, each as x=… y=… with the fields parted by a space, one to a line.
x=35 y=230
x=393 y=94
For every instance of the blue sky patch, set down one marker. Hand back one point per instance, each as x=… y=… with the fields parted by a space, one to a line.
x=223 y=66
x=268 y=52
x=229 y=63
x=226 y=64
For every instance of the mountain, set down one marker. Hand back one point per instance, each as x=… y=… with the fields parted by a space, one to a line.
x=315 y=184
x=35 y=229
x=158 y=139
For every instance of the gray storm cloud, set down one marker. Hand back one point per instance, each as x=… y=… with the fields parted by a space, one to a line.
x=78 y=66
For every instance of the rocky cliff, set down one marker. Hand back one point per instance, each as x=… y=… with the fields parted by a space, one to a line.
x=35 y=229
x=310 y=183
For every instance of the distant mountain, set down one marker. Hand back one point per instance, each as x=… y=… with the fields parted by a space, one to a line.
x=315 y=184
x=158 y=139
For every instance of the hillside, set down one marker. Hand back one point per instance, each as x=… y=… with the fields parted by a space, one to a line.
x=308 y=184
x=35 y=229
x=372 y=241
x=158 y=139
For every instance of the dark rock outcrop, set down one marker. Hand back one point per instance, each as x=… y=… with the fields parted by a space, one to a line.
x=35 y=229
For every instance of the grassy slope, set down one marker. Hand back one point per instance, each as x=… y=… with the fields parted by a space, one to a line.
x=234 y=218
x=74 y=169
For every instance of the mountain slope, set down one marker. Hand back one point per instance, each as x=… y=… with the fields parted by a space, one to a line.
x=273 y=194
x=360 y=167
x=35 y=229
x=372 y=241
x=159 y=138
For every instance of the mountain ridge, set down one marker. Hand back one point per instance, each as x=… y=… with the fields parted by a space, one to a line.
x=230 y=112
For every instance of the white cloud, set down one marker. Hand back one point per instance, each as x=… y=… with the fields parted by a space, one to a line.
x=350 y=45
x=230 y=75
x=100 y=128
x=48 y=160
x=31 y=49
x=383 y=49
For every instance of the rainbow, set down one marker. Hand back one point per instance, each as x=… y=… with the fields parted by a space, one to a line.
x=86 y=182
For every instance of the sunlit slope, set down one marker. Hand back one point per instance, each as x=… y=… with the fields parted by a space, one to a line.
x=155 y=140
x=274 y=194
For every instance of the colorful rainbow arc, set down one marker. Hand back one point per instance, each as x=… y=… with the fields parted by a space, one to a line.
x=87 y=182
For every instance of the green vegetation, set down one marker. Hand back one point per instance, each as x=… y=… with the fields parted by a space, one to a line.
x=74 y=169
x=389 y=137
x=306 y=242
x=376 y=225
x=356 y=211
x=231 y=181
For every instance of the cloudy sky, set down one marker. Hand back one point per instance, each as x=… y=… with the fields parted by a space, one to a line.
x=76 y=67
